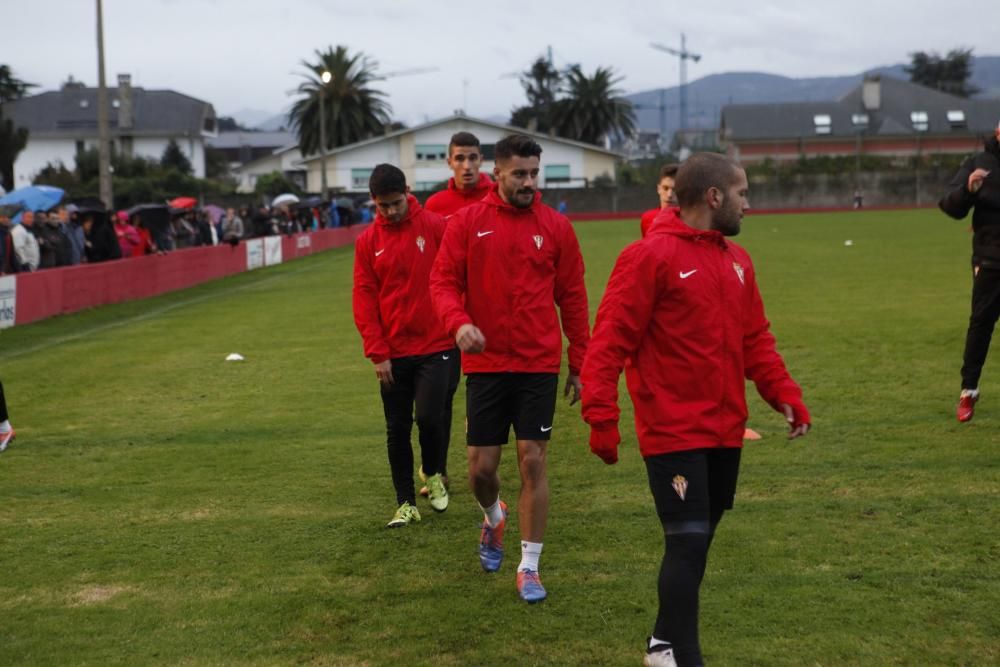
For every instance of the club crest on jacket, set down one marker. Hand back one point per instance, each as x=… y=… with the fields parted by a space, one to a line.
x=421 y=243
x=739 y=271
x=538 y=241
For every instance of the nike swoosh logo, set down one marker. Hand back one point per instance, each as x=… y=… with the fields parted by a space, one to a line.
x=379 y=252
x=546 y=430
x=686 y=274
x=482 y=234
x=445 y=357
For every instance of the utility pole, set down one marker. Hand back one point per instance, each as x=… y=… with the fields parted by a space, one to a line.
x=683 y=55
x=103 y=134
x=325 y=78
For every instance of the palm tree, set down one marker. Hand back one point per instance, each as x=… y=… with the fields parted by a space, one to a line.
x=541 y=85
x=354 y=110
x=593 y=108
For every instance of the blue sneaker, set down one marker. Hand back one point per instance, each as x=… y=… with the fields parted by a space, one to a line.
x=529 y=586
x=491 y=543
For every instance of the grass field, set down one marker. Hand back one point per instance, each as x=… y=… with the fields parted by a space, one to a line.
x=162 y=506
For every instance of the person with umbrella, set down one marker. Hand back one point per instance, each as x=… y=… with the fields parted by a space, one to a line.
x=25 y=244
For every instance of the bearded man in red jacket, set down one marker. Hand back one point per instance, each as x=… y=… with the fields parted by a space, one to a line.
x=468 y=185
x=415 y=359
x=506 y=263
x=682 y=306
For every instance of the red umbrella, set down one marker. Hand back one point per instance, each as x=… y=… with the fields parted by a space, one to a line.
x=183 y=202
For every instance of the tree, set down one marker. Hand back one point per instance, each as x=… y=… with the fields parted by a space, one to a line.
x=541 y=83
x=12 y=88
x=949 y=74
x=354 y=110
x=12 y=139
x=174 y=157
x=593 y=108
x=275 y=184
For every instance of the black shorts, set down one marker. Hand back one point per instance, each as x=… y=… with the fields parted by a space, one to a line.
x=496 y=401
x=693 y=484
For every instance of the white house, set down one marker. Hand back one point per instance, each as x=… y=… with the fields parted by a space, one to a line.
x=63 y=123
x=421 y=152
x=287 y=160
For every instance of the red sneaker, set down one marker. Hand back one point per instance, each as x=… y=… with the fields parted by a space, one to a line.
x=966 y=406
x=6 y=439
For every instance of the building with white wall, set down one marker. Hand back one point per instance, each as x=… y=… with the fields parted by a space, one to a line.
x=63 y=123
x=421 y=152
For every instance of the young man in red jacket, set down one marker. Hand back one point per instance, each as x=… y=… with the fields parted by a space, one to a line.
x=468 y=185
x=505 y=265
x=415 y=359
x=665 y=191
x=682 y=305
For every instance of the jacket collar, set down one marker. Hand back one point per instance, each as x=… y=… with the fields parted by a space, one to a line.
x=669 y=221
x=413 y=208
x=493 y=198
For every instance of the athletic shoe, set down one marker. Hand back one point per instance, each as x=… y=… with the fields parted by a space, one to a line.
x=491 y=543
x=438 y=494
x=966 y=405
x=424 y=491
x=662 y=655
x=6 y=439
x=529 y=586
x=405 y=515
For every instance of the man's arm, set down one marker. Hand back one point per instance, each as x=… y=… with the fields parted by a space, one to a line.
x=765 y=367
x=571 y=297
x=622 y=320
x=365 y=302
x=958 y=200
x=448 y=277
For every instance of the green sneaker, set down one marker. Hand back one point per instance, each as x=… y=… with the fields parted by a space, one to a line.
x=405 y=515
x=437 y=493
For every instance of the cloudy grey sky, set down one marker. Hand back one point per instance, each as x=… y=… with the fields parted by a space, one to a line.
x=246 y=54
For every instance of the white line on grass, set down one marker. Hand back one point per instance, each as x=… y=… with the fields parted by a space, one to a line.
x=156 y=313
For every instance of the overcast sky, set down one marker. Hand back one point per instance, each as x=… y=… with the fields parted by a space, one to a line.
x=246 y=54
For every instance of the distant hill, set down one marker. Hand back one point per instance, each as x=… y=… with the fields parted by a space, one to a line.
x=707 y=96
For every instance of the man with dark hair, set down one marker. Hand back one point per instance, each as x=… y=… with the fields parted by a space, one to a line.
x=977 y=185
x=415 y=360
x=468 y=185
x=9 y=262
x=665 y=191
x=682 y=306
x=7 y=433
x=505 y=264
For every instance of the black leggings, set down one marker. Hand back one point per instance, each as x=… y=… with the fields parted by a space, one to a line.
x=421 y=388
x=3 y=405
x=985 y=312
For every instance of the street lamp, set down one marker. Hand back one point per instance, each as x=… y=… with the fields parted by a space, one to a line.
x=325 y=78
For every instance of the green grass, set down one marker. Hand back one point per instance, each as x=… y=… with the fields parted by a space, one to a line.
x=162 y=506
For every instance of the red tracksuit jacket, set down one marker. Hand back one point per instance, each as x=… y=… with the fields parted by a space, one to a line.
x=505 y=270
x=392 y=306
x=451 y=201
x=684 y=307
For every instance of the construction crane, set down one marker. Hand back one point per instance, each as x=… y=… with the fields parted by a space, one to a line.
x=683 y=55
x=407 y=72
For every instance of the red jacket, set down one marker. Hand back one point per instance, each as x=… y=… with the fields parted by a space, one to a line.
x=647 y=220
x=451 y=201
x=392 y=306
x=684 y=307
x=505 y=270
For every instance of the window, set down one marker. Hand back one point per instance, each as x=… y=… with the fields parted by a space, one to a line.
x=956 y=119
x=823 y=123
x=116 y=103
x=209 y=124
x=432 y=152
x=919 y=120
x=359 y=177
x=84 y=104
x=859 y=120
x=556 y=173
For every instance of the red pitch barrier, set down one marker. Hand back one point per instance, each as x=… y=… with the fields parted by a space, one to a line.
x=37 y=296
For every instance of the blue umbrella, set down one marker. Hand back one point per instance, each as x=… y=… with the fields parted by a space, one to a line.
x=33 y=198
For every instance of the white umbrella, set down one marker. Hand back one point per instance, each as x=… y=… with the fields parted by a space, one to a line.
x=282 y=200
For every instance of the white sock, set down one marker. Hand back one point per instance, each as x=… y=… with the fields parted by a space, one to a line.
x=493 y=513
x=530 y=551
x=974 y=393
x=654 y=642
x=5 y=426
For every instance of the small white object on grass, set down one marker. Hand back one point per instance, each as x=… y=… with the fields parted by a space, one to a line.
x=234 y=357
x=848 y=242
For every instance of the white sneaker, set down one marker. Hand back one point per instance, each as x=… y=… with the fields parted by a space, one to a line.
x=6 y=438
x=662 y=658
x=437 y=493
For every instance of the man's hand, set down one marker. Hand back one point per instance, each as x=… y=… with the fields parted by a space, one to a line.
x=383 y=372
x=798 y=419
x=976 y=180
x=573 y=382
x=604 y=443
x=470 y=339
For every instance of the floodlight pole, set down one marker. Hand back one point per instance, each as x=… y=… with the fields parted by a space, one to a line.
x=103 y=133
x=324 y=79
